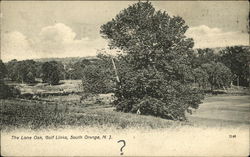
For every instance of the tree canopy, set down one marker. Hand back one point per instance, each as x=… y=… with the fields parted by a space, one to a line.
x=155 y=67
x=98 y=77
x=237 y=58
x=51 y=72
x=22 y=71
x=218 y=74
x=203 y=56
x=5 y=90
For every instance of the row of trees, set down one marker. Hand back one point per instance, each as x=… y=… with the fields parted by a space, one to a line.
x=28 y=70
x=210 y=69
x=230 y=65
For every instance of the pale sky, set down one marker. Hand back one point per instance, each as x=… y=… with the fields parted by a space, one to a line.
x=37 y=29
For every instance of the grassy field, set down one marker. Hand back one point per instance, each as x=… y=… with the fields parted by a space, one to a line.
x=216 y=111
x=33 y=115
x=59 y=111
x=207 y=132
x=223 y=110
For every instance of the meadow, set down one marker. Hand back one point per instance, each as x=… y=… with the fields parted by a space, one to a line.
x=222 y=121
x=61 y=106
x=32 y=115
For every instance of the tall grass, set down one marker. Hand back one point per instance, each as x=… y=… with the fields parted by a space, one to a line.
x=28 y=115
x=36 y=115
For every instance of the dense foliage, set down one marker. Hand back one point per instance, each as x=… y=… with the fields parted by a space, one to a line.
x=75 y=70
x=51 y=72
x=155 y=70
x=237 y=59
x=201 y=77
x=209 y=72
x=219 y=76
x=5 y=90
x=22 y=71
x=98 y=77
x=203 y=56
x=3 y=71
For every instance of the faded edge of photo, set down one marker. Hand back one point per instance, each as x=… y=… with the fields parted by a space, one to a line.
x=182 y=141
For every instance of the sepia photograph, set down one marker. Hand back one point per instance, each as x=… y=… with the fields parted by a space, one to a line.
x=124 y=78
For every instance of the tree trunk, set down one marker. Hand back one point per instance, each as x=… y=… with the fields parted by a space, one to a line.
x=238 y=82
x=116 y=73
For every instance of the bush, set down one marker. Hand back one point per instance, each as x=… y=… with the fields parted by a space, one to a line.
x=30 y=78
x=7 y=91
x=51 y=72
x=96 y=80
x=3 y=70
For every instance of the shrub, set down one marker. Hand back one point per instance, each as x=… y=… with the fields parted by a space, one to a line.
x=7 y=91
x=96 y=80
x=3 y=70
x=51 y=72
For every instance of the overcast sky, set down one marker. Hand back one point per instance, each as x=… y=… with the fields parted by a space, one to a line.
x=66 y=29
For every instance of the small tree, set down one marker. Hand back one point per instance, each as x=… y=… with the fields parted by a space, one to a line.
x=51 y=72
x=154 y=70
x=30 y=78
x=12 y=68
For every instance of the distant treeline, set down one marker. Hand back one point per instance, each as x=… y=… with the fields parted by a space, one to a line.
x=214 y=66
x=236 y=60
x=26 y=71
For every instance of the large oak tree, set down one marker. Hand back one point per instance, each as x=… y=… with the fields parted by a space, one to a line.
x=154 y=69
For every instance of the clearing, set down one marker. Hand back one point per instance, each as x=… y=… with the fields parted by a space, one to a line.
x=225 y=110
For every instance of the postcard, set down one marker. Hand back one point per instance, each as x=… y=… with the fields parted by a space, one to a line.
x=125 y=78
